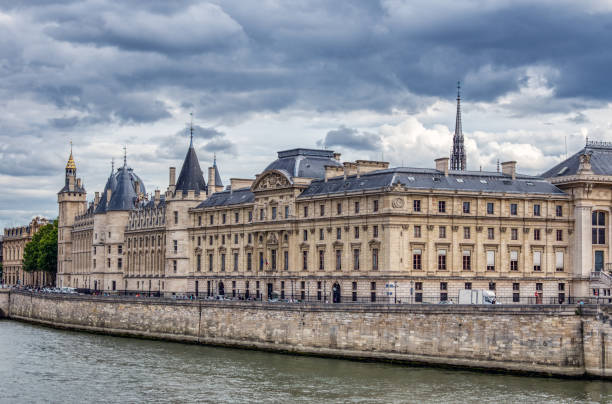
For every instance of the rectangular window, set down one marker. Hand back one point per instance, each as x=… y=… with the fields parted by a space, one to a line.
x=211 y=219
x=416 y=260
x=375 y=207
x=250 y=216
x=222 y=262
x=236 y=217
x=120 y=249
x=339 y=208
x=338 y=260
x=175 y=246
x=223 y=218
x=305 y=235
x=273 y=259
x=273 y=212
x=416 y=205
x=443 y=286
x=514 y=234
x=559 y=261
x=174 y=266
x=119 y=263
x=305 y=260
x=249 y=261
x=537 y=261
x=175 y=217
x=198 y=263
x=490 y=208
x=261 y=214
x=441 y=260
x=356 y=259
x=514 y=260
x=442 y=232
x=491 y=233
x=236 y=238
x=356 y=231
x=321 y=260
x=375 y=259
x=305 y=211
x=321 y=234
x=418 y=296
x=467 y=260
x=417 y=231
x=467 y=286
x=466 y=233
x=356 y=207
x=539 y=287
x=492 y=285
x=210 y=262
x=372 y=291
x=536 y=234
x=321 y=210
x=559 y=210
x=466 y=207
x=559 y=235
x=223 y=239
x=490 y=260
x=442 y=206
x=516 y=295
x=513 y=209
x=338 y=233
x=286 y=260
x=250 y=238
x=536 y=210
x=235 y=261
x=375 y=231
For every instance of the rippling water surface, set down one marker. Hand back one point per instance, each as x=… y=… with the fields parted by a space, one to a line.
x=44 y=365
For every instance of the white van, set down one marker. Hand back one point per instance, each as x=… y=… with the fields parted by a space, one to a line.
x=478 y=296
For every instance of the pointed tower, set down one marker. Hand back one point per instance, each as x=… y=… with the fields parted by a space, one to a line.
x=457 y=158
x=191 y=177
x=72 y=201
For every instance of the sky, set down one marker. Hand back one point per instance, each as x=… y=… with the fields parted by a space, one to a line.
x=369 y=79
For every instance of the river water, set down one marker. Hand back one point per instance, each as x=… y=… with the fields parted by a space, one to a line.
x=44 y=365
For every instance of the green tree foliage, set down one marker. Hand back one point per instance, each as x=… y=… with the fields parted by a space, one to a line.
x=40 y=254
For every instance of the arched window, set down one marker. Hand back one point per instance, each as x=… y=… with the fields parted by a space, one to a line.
x=598 y=219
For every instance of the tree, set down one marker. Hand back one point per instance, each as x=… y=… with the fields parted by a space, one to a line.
x=40 y=254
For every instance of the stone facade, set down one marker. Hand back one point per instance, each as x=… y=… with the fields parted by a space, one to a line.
x=14 y=242
x=543 y=339
x=311 y=227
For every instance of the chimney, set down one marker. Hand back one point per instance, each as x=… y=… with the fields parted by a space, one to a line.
x=509 y=168
x=108 y=195
x=78 y=183
x=157 y=195
x=97 y=199
x=442 y=165
x=337 y=156
x=211 y=180
x=71 y=183
x=172 y=181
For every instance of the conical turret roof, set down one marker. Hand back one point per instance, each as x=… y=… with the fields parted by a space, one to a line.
x=191 y=176
x=124 y=196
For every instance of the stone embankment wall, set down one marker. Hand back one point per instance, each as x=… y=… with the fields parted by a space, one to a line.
x=541 y=339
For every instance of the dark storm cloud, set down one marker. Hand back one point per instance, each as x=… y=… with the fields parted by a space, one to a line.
x=352 y=139
x=175 y=146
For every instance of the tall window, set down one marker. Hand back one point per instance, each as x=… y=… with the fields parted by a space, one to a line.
x=322 y=210
x=338 y=233
x=305 y=211
x=236 y=217
x=339 y=208
x=175 y=245
x=223 y=218
x=235 y=261
x=559 y=261
x=273 y=212
x=249 y=261
x=490 y=260
x=210 y=262
x=356 y=207
x=417 y=231
x=199 y=262
x=375 y=231
x=356 y=231
x=286 y=212
x=442 y=232
x=375 y=259
x=175 y=217
x=466 y=207
x=321 y=234
x=536 y=234
x=467 y=260
x=286 y=260
x=261 y=261
x=416 y=259
x=490 y=208
x=305 y=233
x=599 y=227
x=375 y=207
x=416 y=205
x=559 y=235
x=559 y=210
x=537 y=261
x=338 y=260
x=442 y=206
x=536 y=210
x=466 y=233
x=222 y=262
x=441 y=260
x=273 y=259
x=491 y=233
x=305 y=260
x=514 y=260
x=321 y=260
x=514 y=234
x=356 y=259
x=513 y=209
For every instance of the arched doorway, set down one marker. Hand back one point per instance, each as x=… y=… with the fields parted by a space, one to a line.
x=336 y=293
x=221 y=289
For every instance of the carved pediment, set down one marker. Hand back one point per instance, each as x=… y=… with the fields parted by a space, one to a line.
x=304 y=246
x=271 y=180
x=374 y=243
x=272 y=239
x=198 y=250
x=337 y=244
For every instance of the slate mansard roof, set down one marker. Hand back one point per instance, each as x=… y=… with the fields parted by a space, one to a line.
x=423 y=178
x=123 y=195
x=601 y=161
x=309 y=163
x=227 y=198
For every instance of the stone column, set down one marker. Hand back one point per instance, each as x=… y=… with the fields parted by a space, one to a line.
x=583 y=255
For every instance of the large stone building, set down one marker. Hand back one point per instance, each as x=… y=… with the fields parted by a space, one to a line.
x=312 y=227
x=13 y=246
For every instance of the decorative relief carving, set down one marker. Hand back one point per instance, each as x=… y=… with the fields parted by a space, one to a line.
x=398 y=203
x=271 y=181
x=430 y=227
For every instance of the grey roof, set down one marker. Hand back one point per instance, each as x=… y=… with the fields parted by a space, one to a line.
x=225 y=198
x=191 y=177
x=111 y=184
x=601 y=161
x=308 y=163
x=218 y=182
x=433 y=179
x=124 y=196
x=66 y=187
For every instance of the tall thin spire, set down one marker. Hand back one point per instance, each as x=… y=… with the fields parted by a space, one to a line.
x=112 y=165
x=191 y=130
x=457 y=160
